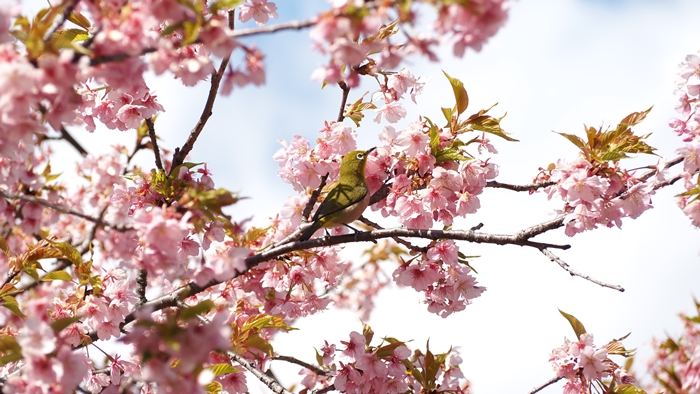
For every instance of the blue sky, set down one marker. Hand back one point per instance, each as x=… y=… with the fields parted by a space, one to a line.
x=555 y=66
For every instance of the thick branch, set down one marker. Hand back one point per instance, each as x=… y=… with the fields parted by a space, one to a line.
x=154 y=142
x=181 y=153
x=571 y=272
x=61 y=209
x=141 y=283
x=545 y=384
x=292 y=25
x=69 y=138
x=315 y=369
x=519 y=188
x=271 y=383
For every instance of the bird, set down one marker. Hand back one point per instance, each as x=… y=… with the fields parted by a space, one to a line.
x=347 y=198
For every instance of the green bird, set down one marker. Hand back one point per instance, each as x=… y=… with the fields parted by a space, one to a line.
x=347 y=198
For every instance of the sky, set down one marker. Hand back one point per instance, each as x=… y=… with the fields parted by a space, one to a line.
x=555 y=66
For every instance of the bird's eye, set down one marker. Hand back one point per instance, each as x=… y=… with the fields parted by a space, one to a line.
x=360 y=156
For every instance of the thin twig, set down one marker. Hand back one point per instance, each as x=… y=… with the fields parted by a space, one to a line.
x=545 y=384
x=272 y=384
x=66 y=15
x=314 y=197
x=293 y=360
x=115 y=57
x=571 y=272
x=325 y=390
x=181 y=153
x=154 y=142
x=344 y=100
x=292 y=25
x=69 y=138
x=403 y=242
x=65 y=210
x=519 y=188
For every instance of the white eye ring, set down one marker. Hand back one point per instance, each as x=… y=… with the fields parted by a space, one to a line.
x=360 y=156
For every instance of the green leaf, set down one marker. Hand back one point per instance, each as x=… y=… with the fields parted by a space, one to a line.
x=57 y=275
x=223 y=369
x=214 y=387
x=192 y=311
x=224 y=4
x=447 y=113
x=575 y=324
x=627 y=389
x=434 y=140
x=59 y=324
x=266 y=321
x=448 y=154
x=11 y=304
x=4 y=247
x=69 y=252
x=576 y=140
x=257 y=342
x=461 y=97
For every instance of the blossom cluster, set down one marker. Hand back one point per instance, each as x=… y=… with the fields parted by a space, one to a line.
x=687 y=126
x=675 y=365
x=592 y=198
x=349 y=36
x=388 y=368
x=582 y=363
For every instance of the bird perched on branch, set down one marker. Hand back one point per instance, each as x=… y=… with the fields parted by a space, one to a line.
x=347 y=198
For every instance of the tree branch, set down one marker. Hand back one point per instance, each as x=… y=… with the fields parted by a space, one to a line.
x=291 y=25
x=314 y=197
x=181 y=153
x=344 y=100
x=69 y=138
x=519 y=188
x=141 y=283
x=571 y=272
x=271 y=383
x=289 y=359
x=65 y=210
x=325 y=390
x=66 y=14
x=545 y=384
x=154 y=142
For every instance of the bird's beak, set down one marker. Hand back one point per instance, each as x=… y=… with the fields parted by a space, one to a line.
x=368 y=151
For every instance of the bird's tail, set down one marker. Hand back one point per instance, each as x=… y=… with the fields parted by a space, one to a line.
x=310 y=230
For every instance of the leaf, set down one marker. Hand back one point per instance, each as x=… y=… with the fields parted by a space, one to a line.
x=447 y=113
x=576 y=140
x=461 y=97
x=368 y=333
x=59 y=324
x=4 y=247
x=434 y=140
x=257 y=342
x=80 y=20
x=490 y=125
x=69 y=252
x=214 y=387
x=635 y=118
x=223 y=369
x=57 y=275
x=198 y=309
x=11 y=304
x=627 y=389
x=448 y=154
x=575 y=324
x=265 y=321
x=224 y=4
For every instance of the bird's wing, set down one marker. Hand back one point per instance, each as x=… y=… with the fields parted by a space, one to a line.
x=339 y=198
